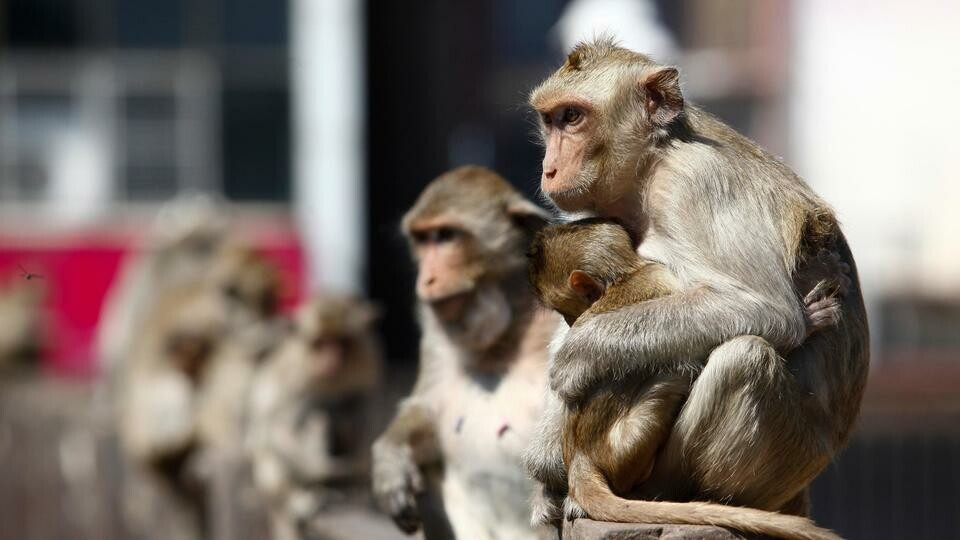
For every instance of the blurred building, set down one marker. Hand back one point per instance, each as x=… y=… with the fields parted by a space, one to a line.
x=109 y=108
x=105 y=101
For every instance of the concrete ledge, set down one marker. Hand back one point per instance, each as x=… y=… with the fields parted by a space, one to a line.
x=585 y=529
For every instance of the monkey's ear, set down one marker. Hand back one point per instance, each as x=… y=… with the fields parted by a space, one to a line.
x=527 y=215
x=585 y=286
x=661 y=95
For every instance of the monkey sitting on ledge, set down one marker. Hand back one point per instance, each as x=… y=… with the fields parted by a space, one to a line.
x=611 y=439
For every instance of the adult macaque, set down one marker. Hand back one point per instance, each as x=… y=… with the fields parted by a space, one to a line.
x=741 y=233
x=184 y=239
x=610 y=440
x=482 y=364
x=184 y=389
x=309 y=404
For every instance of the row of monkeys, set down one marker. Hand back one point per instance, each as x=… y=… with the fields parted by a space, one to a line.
x=203 y=371
x=686 y=344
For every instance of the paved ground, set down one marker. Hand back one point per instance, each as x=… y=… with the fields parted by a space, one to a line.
x=61 y=477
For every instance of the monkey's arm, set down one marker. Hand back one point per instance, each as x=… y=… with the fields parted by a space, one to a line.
x=670 y=334
x=543 y=460
x=408 y=442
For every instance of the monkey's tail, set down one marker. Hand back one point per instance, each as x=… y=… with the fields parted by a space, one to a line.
x=596 y=499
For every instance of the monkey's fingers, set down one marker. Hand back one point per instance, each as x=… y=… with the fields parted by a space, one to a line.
x=823 y=314
x=546 y=508
x=403 y=510
x=572 y=510
x=835 y=288
x=836 y=270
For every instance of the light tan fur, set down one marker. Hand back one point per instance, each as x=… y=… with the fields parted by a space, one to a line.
x=181 y=405
x=449 y=461
x=309 y=405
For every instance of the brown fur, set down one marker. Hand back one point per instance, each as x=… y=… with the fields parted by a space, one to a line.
x=750 y=245
x=610 y=440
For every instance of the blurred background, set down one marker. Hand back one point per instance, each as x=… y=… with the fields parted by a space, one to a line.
x=318 y=122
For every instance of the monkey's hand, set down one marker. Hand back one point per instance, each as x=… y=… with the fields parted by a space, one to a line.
x=546 y=508
x=396 y=482
x=823 y=304
x=570 y=376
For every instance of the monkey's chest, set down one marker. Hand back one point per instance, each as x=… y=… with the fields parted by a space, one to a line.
x=483 y=429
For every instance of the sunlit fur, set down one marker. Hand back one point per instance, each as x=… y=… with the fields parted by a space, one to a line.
x=448 y=463
x=741 y=233
x=610 y=441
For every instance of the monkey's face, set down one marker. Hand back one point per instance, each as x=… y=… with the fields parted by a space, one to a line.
x=448 y=267
x=601 y=116
x=568 y=127
x=328 y=356
x=333 y=330
x=249 y=285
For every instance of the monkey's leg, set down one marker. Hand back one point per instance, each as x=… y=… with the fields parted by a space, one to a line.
x=635 y=438
x=746 y=434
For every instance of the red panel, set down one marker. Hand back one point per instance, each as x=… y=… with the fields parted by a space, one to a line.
x=78 y=270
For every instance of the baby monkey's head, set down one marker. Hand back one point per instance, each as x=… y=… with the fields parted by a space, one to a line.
x=571 y=265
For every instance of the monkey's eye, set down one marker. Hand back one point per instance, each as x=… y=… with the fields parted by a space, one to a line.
x=545 y=117
x=438 y=235
x=445 y=234
x=571 y=115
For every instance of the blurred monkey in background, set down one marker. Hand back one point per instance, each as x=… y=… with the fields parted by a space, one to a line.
x=183 y=391
x=183 y=241
x=309 y=409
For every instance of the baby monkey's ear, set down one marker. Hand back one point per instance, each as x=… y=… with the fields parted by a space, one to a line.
x=585 y=286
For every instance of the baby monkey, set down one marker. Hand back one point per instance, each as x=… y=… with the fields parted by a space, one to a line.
x=588 y=267
x=610 y=440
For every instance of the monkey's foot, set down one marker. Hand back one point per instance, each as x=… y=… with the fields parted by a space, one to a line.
x=545 y=509
x=572 y=510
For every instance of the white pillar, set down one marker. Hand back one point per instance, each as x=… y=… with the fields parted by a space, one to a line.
x=327 y=76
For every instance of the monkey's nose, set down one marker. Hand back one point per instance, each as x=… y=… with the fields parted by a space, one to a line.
x=549 y=173
x=431 y=280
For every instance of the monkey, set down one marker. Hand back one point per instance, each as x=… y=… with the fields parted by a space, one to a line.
x=610 y=440
x=742 y=234
x=183 y=401
x=309 y=404
x=184 y=238
x=459 y=435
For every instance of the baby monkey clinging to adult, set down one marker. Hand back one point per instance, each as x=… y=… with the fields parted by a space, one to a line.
x=610 y=440
x=588 y=267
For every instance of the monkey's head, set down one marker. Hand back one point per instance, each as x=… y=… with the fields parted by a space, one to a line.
x=195 y=331
x=602 y=115
x=337 y=333
x=248 y=283
x=571 y=265
x=185 y=237
x=467 y=233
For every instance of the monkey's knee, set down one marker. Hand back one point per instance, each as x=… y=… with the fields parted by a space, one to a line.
x=742 y=360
